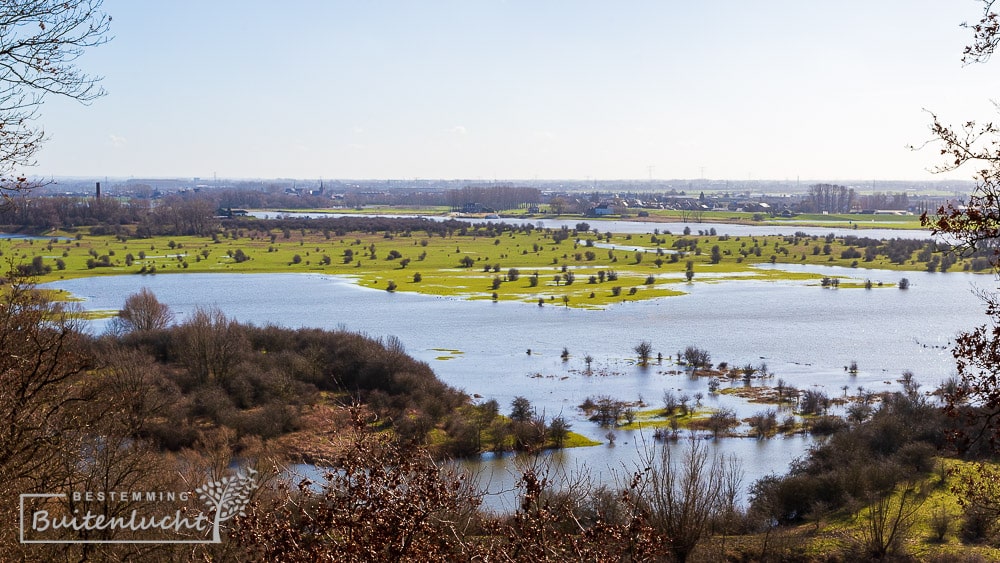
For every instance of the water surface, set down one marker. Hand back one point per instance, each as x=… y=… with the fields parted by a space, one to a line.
x=806 y=334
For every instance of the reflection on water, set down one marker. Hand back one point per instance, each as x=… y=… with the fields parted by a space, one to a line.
x=614 y=465
x=26 y=237
x=497 y=475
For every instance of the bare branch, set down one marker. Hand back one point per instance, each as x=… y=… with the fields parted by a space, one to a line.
x=40 y=42
x=986 y=36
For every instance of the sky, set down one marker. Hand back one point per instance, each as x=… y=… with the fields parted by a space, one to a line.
x=521 y=89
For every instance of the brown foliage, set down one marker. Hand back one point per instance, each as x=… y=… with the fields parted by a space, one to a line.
x=142 y=311
x=378 y=502
x=42 y=360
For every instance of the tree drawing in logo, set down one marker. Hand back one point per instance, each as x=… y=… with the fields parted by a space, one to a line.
x=227 y=497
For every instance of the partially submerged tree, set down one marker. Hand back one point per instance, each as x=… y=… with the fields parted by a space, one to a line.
x=697 y=357
x=644 y=350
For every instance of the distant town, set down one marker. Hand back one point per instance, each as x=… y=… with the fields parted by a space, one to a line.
x=592 y=198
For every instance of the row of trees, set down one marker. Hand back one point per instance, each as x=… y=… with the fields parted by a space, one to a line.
x=830 y=198
x=193 y=212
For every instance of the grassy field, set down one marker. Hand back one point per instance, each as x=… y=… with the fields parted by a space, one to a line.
x=585 y=270
x=842 y=221
x=930 y=501
x=929 y=504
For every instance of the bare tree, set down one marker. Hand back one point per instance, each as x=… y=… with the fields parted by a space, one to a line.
x=41 y=366
x=644 y=350
x=887 y=520
x=212 y=345
x=685 y=496
x=696 y=357
x=142 y=312
x=40 y=42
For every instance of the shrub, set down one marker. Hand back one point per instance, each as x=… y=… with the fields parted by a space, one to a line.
x=764 y=423
x=826 y=425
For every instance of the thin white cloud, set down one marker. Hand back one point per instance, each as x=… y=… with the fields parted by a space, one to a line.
x=458 y=130
x=117 y=141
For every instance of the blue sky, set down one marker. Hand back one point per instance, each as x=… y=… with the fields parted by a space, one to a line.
x=521 y=89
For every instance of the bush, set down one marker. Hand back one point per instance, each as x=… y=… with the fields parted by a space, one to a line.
x=978 y=524
x=826 y=425
x=764 y=423
x=722 y=420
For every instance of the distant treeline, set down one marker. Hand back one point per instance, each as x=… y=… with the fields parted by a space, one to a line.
x=180 y=216
x=192 y=213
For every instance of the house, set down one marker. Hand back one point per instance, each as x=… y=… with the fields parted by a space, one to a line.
x=230 y=212
x=600 y=210
x=476 y=208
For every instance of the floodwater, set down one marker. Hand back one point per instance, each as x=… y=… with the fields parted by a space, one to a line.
x=806 y=334
x=644 y=227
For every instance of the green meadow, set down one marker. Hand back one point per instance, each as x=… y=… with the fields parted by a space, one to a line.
x=536 y=267
x=929 y=519
x=840 y=220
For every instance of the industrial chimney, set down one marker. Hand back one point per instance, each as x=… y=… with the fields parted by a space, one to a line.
x=98 y=190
